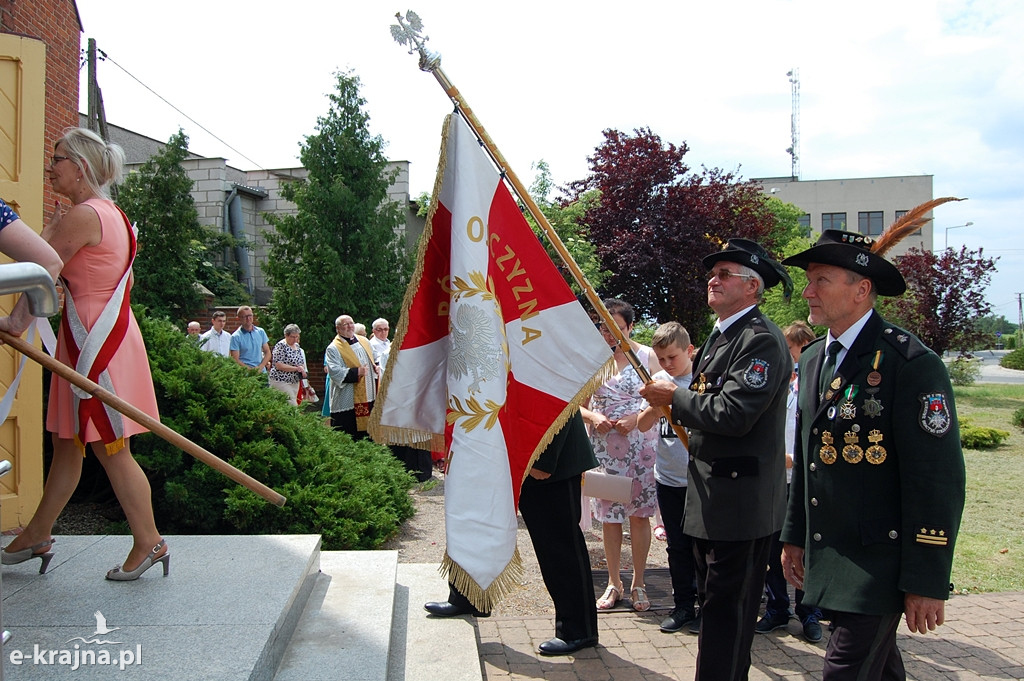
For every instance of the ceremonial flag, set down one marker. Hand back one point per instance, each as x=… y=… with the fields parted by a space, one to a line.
x=494 y=352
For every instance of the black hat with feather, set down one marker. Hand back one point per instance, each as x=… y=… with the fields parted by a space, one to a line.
x=864 y=255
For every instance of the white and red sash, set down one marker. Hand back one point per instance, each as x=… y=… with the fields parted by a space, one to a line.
x=90 y=352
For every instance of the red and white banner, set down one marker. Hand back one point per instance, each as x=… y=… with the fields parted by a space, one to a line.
x=493 y=351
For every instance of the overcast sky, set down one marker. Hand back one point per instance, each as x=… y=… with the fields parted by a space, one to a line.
x=900 y=87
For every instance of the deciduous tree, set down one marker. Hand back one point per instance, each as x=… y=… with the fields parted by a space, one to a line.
x=340 y=253
x=655 y=220
x=174 y=250
x=945 y=297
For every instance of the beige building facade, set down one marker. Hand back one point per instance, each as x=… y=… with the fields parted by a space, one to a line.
x=866 y=205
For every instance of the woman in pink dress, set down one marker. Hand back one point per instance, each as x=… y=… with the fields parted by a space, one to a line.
x=100 y=338
x=622 y=449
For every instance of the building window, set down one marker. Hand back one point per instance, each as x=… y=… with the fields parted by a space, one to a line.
x=901 y=213
x=805 y=225
x=833 y=221
x=869 y=222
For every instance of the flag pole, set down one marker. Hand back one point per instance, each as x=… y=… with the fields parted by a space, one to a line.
x=142 y=418
x=409 y=33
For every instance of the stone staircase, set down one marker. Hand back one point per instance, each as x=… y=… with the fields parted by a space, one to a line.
x=267 y=608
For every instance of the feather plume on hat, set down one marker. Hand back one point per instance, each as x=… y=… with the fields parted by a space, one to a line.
x=907 y=225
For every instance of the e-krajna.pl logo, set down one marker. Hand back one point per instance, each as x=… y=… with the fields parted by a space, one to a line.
x=82 y=654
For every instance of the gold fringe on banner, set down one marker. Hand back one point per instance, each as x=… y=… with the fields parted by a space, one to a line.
x=391 y=434
x=484 y=599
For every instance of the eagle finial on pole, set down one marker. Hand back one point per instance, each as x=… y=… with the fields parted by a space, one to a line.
x=408 y=32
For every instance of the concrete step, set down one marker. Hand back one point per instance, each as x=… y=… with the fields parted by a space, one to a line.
x=226 y=611
x=429 y=648
x=345 y=630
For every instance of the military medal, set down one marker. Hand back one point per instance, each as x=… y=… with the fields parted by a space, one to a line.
x=847 y=410
x=852 y=451
x=827 y=453
x=872 y=407
x=702 y=384
x=874 y=378
x=875 y=453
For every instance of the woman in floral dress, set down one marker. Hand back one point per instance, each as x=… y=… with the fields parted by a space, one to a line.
x=622 y=449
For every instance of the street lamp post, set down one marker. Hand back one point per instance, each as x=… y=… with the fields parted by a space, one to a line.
x=955 y=227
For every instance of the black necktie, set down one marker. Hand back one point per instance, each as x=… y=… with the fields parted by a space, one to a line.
x=715 y=333
x=829 y=367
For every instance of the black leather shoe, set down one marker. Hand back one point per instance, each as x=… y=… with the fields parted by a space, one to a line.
x=677 y=620
x=446 y=609
x=557 y=646
x=695 y=624
x=812 y=630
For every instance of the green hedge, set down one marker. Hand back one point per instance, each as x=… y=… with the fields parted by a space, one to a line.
x=1013 y=360
x=352 y=493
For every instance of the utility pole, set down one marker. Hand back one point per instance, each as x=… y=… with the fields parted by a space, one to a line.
x=96 y=117
x=1020 y=321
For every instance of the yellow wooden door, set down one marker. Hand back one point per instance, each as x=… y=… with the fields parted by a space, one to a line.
x=22 y=111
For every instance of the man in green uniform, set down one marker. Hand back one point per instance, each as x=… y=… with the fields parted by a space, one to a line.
x=878 y=478
x=735 y=409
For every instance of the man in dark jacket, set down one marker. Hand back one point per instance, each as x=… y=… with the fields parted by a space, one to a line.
x=735 y=409
x=549 y=502
x=878 y=476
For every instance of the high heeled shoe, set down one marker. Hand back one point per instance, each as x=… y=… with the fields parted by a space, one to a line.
x=119 y=574
x=15 y=557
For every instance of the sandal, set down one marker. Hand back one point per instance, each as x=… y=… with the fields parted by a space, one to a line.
x=638 y=595
x=660 y=534
x=612 y=596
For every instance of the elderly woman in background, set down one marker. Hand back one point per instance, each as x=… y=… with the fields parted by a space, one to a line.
x=622 y=449
x=288 y=364
x=21 y=243
x=97 y=245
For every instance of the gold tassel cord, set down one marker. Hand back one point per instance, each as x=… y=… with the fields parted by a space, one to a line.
x=907 y=225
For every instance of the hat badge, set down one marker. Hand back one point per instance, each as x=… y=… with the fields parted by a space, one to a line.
x=754 y=259
x=862 y=259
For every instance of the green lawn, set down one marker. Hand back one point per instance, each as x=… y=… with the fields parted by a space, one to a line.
x=990 y=548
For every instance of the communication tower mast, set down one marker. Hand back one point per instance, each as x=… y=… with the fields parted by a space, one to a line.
x=794 y=149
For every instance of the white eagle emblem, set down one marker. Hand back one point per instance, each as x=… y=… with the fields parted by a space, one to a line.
x=476 y=350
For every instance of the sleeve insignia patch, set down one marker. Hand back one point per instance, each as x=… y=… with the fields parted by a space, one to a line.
x=932 y=536
x=756 y=375
x=934 y=418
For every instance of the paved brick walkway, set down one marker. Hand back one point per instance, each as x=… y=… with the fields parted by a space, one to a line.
x=983 y=638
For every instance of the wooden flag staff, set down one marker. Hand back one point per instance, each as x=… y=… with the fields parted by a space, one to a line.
x=409 y=33
x=142 y=418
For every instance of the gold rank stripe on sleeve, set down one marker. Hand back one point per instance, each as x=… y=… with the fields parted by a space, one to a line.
x=932 y=537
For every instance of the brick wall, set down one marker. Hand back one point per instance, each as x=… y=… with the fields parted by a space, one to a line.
x=56 y=23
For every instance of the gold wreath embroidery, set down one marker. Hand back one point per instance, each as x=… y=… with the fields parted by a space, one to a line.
x=474 y=413
x=477 y=284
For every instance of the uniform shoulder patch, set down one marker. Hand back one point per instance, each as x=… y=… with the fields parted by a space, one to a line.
x=908 y=345
x=755 y=376
x=935 y=418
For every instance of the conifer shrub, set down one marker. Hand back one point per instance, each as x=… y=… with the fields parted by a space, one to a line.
x=1013 y=360
x=354 y=494
x=980 y=437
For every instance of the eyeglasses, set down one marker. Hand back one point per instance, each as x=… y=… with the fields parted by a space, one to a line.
x=54 y=160
x=724 y=275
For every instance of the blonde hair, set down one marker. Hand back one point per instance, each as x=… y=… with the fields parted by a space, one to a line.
x=101 y=163
x=798 y=333
x=670 y=333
